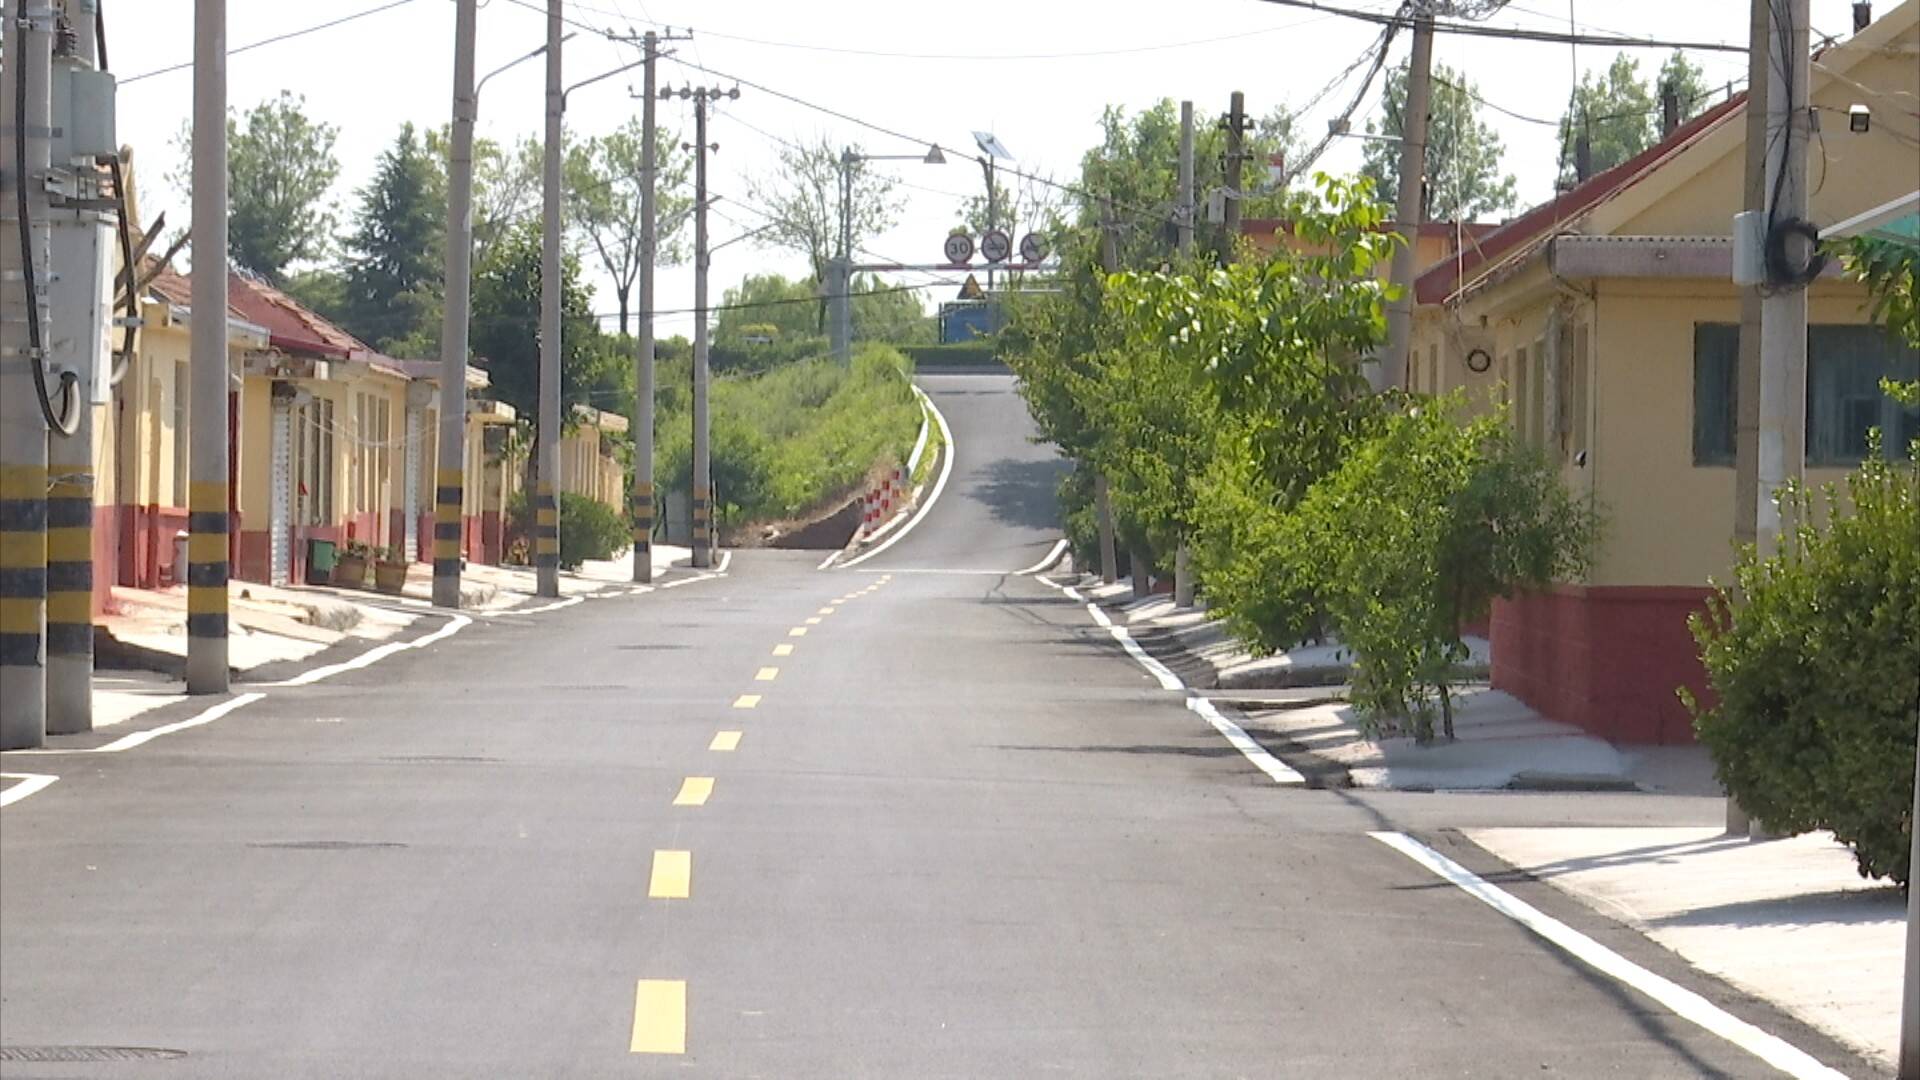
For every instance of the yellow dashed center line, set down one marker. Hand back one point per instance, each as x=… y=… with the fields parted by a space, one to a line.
x=824 y=611
x=660 y=1017
x=672 y=875
x=813 y=620
x=746 y=701
x=725 y=741
x=694 y=791
x=766 y=674
x=783 y=650
x=798 y=631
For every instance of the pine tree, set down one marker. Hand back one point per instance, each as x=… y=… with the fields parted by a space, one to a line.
x=395 y=254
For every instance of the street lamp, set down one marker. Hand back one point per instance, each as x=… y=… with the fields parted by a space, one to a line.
x=840 y=274
x=516 y=62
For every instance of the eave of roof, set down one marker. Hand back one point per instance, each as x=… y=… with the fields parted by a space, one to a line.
x=1443 y=281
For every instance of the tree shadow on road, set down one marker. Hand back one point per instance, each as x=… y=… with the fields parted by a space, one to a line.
x=1021 y=493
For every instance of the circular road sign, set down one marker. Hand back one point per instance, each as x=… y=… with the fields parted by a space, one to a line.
x=996 y=245
x=959 y=248
x=1033 y=248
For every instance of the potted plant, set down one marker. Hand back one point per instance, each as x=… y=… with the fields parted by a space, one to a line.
x=390 y=570
x=350 y=568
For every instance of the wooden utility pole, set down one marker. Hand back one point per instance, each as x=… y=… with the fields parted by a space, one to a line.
x=1236 y=158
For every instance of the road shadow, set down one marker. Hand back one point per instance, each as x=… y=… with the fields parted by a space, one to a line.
x=1021 y=493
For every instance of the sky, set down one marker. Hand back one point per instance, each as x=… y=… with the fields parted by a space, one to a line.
x=1035 y=73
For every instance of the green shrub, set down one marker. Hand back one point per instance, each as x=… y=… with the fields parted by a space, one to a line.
x=1817 y=671
x=980 y=353
x=793 y=439
x=589 y=529
x=1419 y=530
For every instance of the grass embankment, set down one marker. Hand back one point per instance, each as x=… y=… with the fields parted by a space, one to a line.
x=794 y=441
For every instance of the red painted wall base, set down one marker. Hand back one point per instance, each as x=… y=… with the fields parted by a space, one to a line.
x=1606 y=659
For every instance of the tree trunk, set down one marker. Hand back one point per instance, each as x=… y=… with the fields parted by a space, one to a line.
x=1446 y=709
x=624 y=289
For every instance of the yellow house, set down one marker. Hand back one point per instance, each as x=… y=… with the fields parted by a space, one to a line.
x=1606 y=321
x=588 y=465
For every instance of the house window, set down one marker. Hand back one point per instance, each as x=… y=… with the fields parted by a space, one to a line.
x=1844 y=367
x=313 y=463
x=181 y=394
x=1716 y=379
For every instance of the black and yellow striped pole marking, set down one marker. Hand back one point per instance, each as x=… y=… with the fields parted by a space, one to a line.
x=448 y=516
x=546 y=531
x=70 y=601
x=207 y=574
x=702 y=525
x=642 y=499
x=23 y=601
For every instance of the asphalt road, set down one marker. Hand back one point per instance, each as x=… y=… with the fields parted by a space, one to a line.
x=960 y=834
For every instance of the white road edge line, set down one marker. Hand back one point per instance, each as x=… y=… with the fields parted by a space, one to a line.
x=829 y=560
x=29 y=783
x=726 y=560
x=555 y=606
x=455 y=624
x=1259 y=756
x=1046 y=564
x=141 y=738
x=1684 y=1003
x=946 y=470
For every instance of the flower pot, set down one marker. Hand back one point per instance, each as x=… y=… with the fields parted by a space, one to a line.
x=351 y=571
x=390 y=577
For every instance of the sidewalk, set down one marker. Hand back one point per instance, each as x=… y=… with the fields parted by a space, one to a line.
x=1790 y=921
x=142 y=643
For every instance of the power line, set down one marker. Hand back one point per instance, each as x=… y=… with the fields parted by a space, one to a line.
x=1509 y=33
x=274 y=40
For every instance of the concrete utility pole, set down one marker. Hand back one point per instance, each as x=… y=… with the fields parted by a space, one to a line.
x=1746 y=458
x=1781 y=439
x=1236 y=125
x=79 y=302
x=1183 y=554
x=1409 y=208
x=1102 y=500
x=839 y=281
x=546 y=507
x=704 y=530
x=207 y=520
x=449 y=480
x=643 y=356
x=24 y=428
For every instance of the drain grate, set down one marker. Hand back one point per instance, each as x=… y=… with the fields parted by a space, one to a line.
x=328 y=845
x=51 y=1054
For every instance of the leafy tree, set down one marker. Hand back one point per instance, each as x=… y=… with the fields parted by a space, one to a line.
x=506 y=330
x=1464 y=178
x=604 y=181
x=506 y=186
x=280 y=167
x=765 y=305
x=1417 y=531
x=1616 y=114
x=885 y=312
x=1688 y=83
x=395 y=255
x=803 y=202
x=1137 y=163
x=1022 y=205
